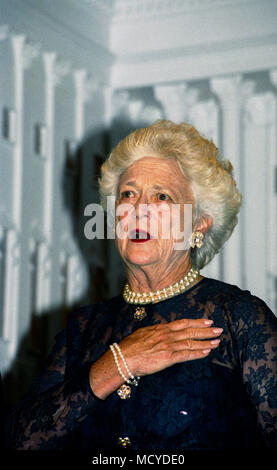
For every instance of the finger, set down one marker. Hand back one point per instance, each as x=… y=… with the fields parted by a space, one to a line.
x=196 y=333
x=189 y=355
x=195 y=345
x=189 y=323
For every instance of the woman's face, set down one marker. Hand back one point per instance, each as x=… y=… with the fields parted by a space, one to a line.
x=146 y=237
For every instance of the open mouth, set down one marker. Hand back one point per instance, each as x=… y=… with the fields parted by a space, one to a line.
x=139 y=236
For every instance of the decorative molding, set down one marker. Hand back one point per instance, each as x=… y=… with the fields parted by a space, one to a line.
x=120 y=100
x=13 y=241
x=260 y=109
x=176 y=100
x=106 y=7
x=273 y=76
x=204 y=116
x=86 y=85
x=232 y=90
x=42 y=272
x=49 y=60
x=71 y=271
x=9 y=294
x=61 y=69
x=40 y=140
x=133 y=110
x=148 y=9
x=9 y=125
x=148 y=114
x=130 y=9
x=91 y=88
x=31 y=51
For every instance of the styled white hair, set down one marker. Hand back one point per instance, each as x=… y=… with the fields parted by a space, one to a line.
x=211 y=178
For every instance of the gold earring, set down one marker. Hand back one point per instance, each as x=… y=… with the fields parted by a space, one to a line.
x=196 y=239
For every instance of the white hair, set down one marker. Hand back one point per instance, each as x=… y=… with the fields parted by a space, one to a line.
x=211 y=178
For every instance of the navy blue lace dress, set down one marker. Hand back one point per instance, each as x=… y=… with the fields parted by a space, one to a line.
x=226 y=400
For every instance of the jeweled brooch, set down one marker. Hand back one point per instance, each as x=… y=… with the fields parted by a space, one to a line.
x=140 y=313
x=124 y=391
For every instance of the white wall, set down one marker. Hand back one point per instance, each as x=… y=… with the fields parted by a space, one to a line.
x=77 y=76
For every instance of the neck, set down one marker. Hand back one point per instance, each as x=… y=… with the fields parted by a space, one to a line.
x=153 y=277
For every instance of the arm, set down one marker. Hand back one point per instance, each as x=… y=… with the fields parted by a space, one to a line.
x=259 y=365
x=58 y=401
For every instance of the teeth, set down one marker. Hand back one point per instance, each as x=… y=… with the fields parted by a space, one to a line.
x=141 y=235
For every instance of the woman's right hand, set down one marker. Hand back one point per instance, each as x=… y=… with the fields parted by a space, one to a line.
x=153 y=348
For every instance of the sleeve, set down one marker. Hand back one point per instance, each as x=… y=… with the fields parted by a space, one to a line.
x=258 y=339
x=56 y=404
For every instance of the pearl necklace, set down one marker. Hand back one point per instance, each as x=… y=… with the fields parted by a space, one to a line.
x=144 y=298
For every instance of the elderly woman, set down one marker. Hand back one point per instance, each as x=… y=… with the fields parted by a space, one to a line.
x=177 y=361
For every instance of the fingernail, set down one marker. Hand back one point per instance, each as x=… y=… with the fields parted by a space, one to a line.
x=208 y=322
x=218 y=330
x=206 y=351
x=215 y=341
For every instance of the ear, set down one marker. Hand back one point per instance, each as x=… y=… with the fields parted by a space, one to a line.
x=203 y=224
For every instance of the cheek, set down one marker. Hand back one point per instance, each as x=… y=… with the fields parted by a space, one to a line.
x=121 y=245
x=124 y=224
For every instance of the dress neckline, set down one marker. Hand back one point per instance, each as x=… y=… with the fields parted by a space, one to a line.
x=170 y=299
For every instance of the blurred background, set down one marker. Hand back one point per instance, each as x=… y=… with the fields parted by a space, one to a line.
x=75 y=77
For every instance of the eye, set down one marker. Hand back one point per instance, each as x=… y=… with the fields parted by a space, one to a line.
x=126 y=194
x=163 y=197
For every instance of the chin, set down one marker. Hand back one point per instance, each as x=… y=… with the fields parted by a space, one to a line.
x=140 y=257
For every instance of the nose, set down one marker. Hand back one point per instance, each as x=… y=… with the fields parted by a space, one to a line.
x=141 y=206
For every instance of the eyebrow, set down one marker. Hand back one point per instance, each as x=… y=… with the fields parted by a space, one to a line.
x=156 y=186
x=128 y=183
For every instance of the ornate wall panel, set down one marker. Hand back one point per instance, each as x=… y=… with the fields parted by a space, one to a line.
x=68 y=93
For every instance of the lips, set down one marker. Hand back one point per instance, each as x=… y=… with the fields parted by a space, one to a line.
x=139 y=236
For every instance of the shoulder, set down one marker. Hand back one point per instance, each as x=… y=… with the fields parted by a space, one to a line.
x=85 y=314
x=87 y=327
x=239 y=304
x=92 y=317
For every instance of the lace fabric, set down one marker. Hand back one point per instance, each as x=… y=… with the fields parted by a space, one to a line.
x=226 y=400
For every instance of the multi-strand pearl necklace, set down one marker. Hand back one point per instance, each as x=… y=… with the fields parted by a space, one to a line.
x=144 y=298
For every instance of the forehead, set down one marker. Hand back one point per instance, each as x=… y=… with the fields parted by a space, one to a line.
x=157 y=169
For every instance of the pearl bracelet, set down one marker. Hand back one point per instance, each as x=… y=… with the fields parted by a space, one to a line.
x=117 y=363
x=133 y=381
x=124 y=391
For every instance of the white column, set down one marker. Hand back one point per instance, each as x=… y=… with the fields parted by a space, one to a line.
x=204 y=117
x=18 y=48
x=49 y=60
x=10 y=294
x=71 y=273
x=80 y=81
x=86 y=87
x=56 y=69
x=124 y=108
x=272 y=261
x=12 y=248
x=176 y=99
x=231 y=92
x=259 y=224
x=42 y=277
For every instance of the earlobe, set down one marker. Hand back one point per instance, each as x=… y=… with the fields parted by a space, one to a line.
x=204 y=224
